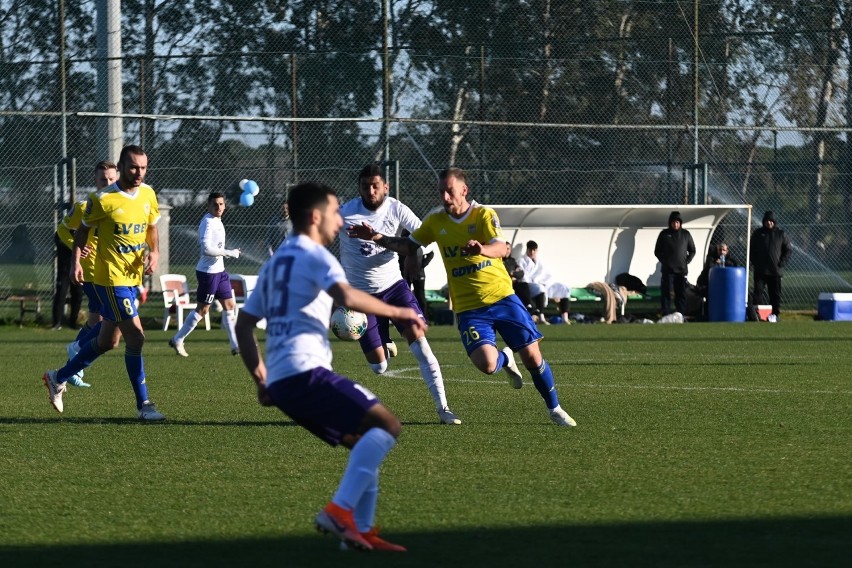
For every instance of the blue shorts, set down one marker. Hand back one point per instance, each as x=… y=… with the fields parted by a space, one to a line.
x=330 y=406
x=378 y=332
x=508 y=317
x=117 y=303
x=94 y=303
x=212 y=286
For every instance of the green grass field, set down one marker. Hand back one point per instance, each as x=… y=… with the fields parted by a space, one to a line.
x=697 y=445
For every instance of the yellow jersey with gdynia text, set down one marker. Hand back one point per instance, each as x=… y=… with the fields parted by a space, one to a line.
x=122 y=222
x=475 y=281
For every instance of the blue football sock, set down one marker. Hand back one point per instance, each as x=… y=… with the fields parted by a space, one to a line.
x=136 y=373
x=502 y=361
x=88 y=333
x=83 y=359
x=544 y=383
x=83 y=331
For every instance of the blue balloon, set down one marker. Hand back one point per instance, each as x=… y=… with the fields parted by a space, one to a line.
x=250 y=186
x=246 y=199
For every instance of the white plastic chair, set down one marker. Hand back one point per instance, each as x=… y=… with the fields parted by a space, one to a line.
x=240 y=289
x=176 y=299
x=243 y=285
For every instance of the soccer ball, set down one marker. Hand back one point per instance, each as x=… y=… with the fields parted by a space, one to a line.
x=347 y=324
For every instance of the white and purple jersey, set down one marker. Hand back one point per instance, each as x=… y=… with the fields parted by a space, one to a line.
x=370 y=267
x=291 y=295
x=211 y=237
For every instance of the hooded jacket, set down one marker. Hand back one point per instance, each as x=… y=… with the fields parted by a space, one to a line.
x=674 y=249
x=770 y=248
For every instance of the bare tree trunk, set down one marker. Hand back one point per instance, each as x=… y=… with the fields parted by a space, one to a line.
x=825 y=96
x=458 y=133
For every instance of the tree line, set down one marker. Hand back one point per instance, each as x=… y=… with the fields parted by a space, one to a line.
x=489 y=85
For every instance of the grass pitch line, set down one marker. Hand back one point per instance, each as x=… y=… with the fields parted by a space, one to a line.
x=405 y=373
x=756 y=390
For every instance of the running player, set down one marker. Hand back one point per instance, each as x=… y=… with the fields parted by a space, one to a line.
x=472 y=247
x=125 y=216
x=295 y=292
x=374 y=269
x=106 y=174
x=214 y=283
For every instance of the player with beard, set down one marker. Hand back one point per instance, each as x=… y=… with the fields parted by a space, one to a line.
x=374 y=269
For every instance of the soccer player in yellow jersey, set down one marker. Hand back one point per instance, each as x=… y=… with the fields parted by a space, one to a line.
x=125 y=216
x=472 y=246
x=106 y=173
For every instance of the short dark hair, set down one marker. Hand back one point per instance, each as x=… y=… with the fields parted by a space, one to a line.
x=303 y=199
x=532 y=245
x=214 y=195
x=105 y=165
x=130 y=149
x=455 y=172
x=373 y=169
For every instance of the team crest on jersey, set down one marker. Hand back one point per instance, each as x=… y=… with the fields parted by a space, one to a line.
x=471 y=229
x=147 y=209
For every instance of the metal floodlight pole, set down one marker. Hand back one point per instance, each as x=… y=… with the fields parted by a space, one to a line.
x=695 y=47
x=386 y=80
x=395 y=165
x=63 y=93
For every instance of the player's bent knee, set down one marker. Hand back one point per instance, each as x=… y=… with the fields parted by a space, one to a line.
x=379 y=368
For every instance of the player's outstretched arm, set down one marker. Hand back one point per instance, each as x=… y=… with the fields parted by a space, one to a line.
x=494 y=249
x=345 y=295
x=401 y=245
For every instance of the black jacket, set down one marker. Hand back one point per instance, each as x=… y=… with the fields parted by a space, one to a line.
x=512 y=268
x=674 y=250
x=712 y=261
x=770 y=251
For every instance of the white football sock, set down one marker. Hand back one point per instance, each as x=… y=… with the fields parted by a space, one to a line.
x=430 y=370
x=361 y=471
x=188 y=325
x=229 y=318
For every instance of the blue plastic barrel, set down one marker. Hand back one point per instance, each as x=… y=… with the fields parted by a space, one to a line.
x=726 y=298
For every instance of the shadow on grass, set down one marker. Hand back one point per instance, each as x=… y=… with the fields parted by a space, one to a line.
x=783 y=542
x=137 y=422
x=123 y=420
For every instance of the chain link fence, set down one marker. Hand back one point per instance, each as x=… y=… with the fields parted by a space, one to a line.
x=535 y=115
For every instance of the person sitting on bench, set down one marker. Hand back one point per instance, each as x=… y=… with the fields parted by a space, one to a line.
x=543 y=286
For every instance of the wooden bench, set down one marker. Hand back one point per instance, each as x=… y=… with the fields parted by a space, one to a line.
x=25 y=304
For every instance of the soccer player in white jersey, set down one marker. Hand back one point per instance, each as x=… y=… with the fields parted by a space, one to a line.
x=375 y=270
x=214 y=283
x=295 y=292
x=472 y=247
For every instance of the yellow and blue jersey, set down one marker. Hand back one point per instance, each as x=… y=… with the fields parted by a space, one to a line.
x=122 y=222
x=70 y=223
x=475 y=281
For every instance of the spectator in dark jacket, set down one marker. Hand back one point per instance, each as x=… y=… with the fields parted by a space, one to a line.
x=675 y=249
x=770 y=251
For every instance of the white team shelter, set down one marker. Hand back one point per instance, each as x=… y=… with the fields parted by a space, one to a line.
x=579 y=244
